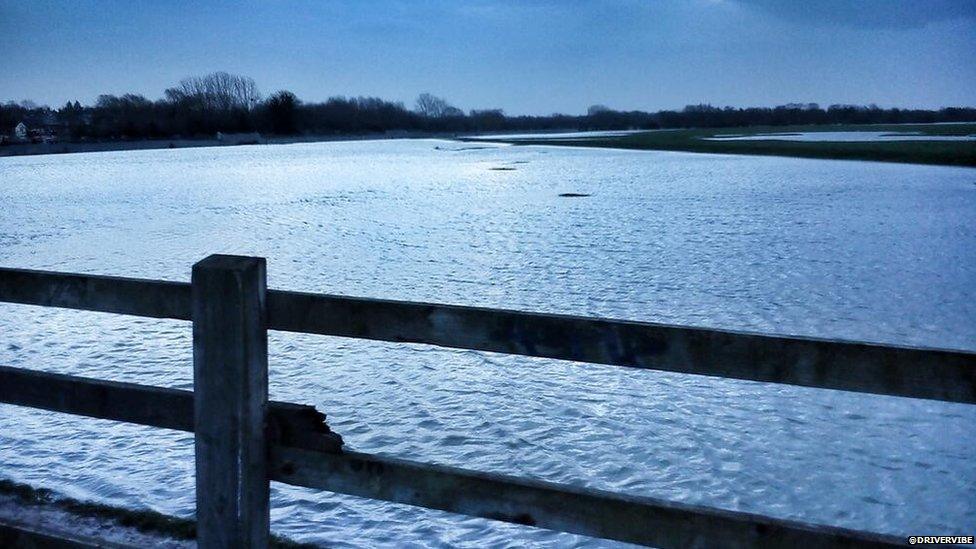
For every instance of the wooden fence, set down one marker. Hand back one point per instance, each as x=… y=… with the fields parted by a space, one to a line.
x=243 y=441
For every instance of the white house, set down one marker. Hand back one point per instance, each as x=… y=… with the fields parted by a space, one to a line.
x=20 y=132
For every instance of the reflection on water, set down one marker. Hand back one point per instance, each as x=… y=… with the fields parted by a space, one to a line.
x=553 y=135
x=859 y=250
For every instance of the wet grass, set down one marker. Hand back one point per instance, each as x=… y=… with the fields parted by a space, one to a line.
x=143 y=520
x=948 y=153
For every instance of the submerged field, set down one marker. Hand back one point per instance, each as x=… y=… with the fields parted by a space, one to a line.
x=924 y=150
x=857 y=250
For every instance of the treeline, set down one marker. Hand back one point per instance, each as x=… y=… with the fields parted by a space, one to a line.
x=221 y=102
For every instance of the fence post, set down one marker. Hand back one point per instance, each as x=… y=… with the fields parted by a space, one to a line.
x=230 y=395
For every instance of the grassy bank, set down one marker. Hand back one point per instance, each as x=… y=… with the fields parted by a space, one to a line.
x=144 y=521
x=949 y=153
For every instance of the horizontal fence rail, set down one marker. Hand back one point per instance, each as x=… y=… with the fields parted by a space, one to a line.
x=102 y=294
x=821 y=363
x=291 y=424
x=810 y=362
x=639 y=520
x=305 y=453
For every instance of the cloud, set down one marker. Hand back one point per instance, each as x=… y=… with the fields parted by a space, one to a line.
x=898 y=14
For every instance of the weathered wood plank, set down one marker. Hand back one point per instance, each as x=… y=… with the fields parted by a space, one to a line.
x=289 y=424
x=106 y=294
x=128 y=402
x=641 y=520
x=850 y=366
x=230 y=390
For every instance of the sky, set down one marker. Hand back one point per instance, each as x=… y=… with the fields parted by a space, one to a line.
x=526 y=57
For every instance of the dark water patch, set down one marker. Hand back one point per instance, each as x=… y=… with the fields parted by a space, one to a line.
x=439 y=148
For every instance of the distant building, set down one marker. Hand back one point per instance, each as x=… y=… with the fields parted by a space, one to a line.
x=38 y=134
x=42 y=135
x=21 y=133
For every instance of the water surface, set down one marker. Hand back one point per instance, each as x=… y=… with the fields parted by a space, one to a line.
x=858 y=250
x=555 y=136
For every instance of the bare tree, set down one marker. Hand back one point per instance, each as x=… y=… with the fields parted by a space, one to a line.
x=452 y=112
x=217 y=91
x=431 y=106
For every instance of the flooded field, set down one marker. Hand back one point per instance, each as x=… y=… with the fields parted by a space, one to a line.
x=856 y=250
x=843 y=137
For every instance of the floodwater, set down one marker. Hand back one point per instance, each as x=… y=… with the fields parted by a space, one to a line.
x=857 y=250
x=557 y=136
x=844 y=137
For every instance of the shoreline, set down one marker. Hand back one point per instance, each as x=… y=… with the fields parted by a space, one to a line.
x=234 y=140
x=69 y=147
x=947 y=153
x=32 y=515
x=701 y=140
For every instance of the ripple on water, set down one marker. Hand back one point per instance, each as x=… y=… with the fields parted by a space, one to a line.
x=840 y=249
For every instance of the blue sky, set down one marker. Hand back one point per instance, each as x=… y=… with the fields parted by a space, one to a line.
x=527 y=57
